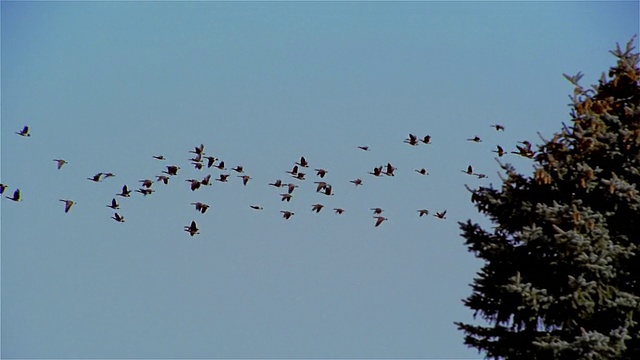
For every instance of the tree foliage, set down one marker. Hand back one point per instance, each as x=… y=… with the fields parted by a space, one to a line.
x=561 y=278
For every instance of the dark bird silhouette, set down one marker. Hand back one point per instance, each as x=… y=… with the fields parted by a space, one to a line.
x=321 y=185
x=423 y=212
x=291 y=187
x=321 y=172
x=475 y=139
x=327 y=190
x=525 y=150
x=197 y=165
x=67 y=204
x=441 y=215
x=196 y=159
x=239 y=169
x=469 y=170
x=377 y=171
x=199 y=150
x=172 y=170
x=206 y=180
x=357 y=182
x=24 y=131
x=303 y=162
x=426 y=139
x=277 y=183
x=390 y=169
x=365 y=148
x=117 y=217
x=338 y=210
x=499 y=150
x=3 y=187
x=159 y=157
x=164 y=179
x=286 y=197
x=411 y=140
x=379 y=220
x=220 y=166
x=202 y=207
x=223 y=178
x=422 y=171
x=294 y=171
x=194 y=184
x=256 y=207
x=145 y=191
x=114 y=204
x=317 y=207
x=377 y=210
x=96 y=177
x=498 y=127
x=125 y=192
x=299 y=176
x=245 y=179
x=16 y=196
x=286 y=214
x=192 y=229
x=60 y=162
x=146 y=183
x=210 y=161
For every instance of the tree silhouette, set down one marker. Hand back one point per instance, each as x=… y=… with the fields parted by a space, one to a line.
x=561 y=278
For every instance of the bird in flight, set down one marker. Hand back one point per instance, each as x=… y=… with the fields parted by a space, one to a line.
x=321 y=172
x=3 y=187
x=107 y=175
x=475 y=139
x=377 y=171
x=146 y=183
x=256 y=207
x=96 y=177
x=223 y=178
x=469 y=170
x=286 y=197
x=67 y=204
x=195 y=184
x=60 y=162
x=294 y=171
x=239 y=169
x=159 y=157
x=210 y=160
x=379 y=220
x=338 y=210
x=365 y=148
x=277 y=183
x=144 y=191
x=498 y=127
x=286 y=214
x=411 y=140
x=303 y=162
x=125 y=192
x=499 y=150
x=422 y=171
x=321 y=185
x=441 y=215
x=390 y=169
x=117 y=217
x=423 y=212
x=356 y=181
x=171 y=170
x=426 y=139
x=317 y=207
x=16 y=196
x=199 y=150
x=114 y=204
x=24 y=131
x=192 y=229
x=206 y=180
x=202 y=207
x=245 y=179
x=164 y=179
x=377 y=210
x=291 y=187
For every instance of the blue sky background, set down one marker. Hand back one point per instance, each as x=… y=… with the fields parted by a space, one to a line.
x=106 y=85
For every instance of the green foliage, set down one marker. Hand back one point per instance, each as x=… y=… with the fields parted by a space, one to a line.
x=561 y=278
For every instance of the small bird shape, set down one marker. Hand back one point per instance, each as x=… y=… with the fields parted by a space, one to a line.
x=277 y=183
x=220 y=166
x=146 y=183
x=338 y=210
x=239 y=169
x=206 y=180
x=321 y=172
x=172 y=170
x=303 y=162
x=96 y=177
x=422 y=171
x=327 y=190
x=357 y=182
x=164 y=179
x=390 y=169
x=202 y=207
x=469 y=170
x=411 y=140
x=24 y=131
x=195 y=184
x=498 y=127
x=379 y=220
x=210 y=160
x=299 y=176
x=441 y=215
x=316 y=207
x=499 y=150
x=294 y=171
x=67 y=204
x=286 y=214
x=475 y=139
x=3 y=187
x=377 y=171
x=377 y=210
x=423 y=212
x=117 y=217
x=426 y=139
x=145 y=191
x=291 y=187
x=16 y=196
x=321 y=185
x=159 y=157
x=60 y=162
x=199 y=150
x=125 y=192
x=256 y=207
x=223 y=178
x=365 y=148
x=286 y=197
x=192 y=229
x=114 y=204
x=245 y=179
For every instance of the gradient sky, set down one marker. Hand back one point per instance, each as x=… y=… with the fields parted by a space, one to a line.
x=106 y=85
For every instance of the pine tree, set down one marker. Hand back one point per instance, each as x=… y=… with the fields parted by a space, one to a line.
x=561 y=273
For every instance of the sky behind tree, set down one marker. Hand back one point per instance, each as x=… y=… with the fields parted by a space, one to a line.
x=107 y=85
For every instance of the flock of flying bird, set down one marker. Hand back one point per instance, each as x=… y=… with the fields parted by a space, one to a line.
x=201 y=160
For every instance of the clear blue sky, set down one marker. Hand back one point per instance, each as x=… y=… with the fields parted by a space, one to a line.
x=106 y=85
